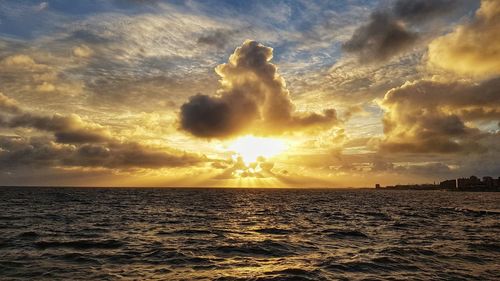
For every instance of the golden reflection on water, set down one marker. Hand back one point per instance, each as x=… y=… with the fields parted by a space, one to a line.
x=246 y=234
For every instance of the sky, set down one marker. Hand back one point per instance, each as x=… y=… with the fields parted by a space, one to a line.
x=310 y=93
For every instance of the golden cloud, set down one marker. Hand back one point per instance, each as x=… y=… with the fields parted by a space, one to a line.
x=8 y=104
x=19 y=60
x=39 y=73
x=82 y=51
x=45 y=87
x=253 y=98
x=473 y=48
x=429 y=116
x=77 y=143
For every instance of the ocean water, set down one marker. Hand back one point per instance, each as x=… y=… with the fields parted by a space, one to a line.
x=247 y=234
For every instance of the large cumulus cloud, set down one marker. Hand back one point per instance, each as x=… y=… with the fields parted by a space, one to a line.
x=253 y=98
x=431 y=116
x=472 y=48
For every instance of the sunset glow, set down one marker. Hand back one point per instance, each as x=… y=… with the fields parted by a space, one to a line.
x=249 y=140
x=290 y=93
x=250 y=148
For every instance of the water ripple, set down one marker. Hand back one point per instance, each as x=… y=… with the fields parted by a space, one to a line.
x=247 y=234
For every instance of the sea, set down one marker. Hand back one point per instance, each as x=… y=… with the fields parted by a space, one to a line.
x=247 y=234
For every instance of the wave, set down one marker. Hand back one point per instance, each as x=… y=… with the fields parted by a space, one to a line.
x=268 y=248
x=165 y=234
x=472 y=211
x=28 y=234
x=187 y=232
x=80 y=244
x=343 y=233
x=273 y=231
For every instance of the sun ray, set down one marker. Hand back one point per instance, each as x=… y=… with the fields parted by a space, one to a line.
x=251 y=148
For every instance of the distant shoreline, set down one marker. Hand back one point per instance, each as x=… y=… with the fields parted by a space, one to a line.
x=471 y=184
x=391 y=188
x=438 y=189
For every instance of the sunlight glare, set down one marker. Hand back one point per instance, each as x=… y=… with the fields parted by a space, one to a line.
x=250 y=148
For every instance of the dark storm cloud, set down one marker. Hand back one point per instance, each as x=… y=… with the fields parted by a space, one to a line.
x=206 y=116
x=253 y=98
x=39 y=152
x=419 y=10
x=429 y=116
x=218 y=38
x=380 y=39
x=389 y=33
x=425 y=169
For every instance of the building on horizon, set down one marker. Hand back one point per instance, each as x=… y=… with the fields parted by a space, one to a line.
x=448 y=184
x=472 y=183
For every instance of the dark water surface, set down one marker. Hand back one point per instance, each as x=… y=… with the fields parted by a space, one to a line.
x=247 y=234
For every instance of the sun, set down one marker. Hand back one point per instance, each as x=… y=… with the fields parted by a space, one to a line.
x=250 y=148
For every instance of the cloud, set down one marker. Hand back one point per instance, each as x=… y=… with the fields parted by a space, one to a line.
x=38 y=72
x=218 y=38
x=77 y=143
x=20 y=61
x=472 y=48
x=449 y=96
x=429 y=116
x=66 y=129
x=129 y=155
x=82 y=51
x=42 y=152
x=416 y=168
x=42 y=6
x=420 y=10
x=8 y=105
x=253 y=98
x=237 y=168
x=17 y=152
x=45 y=87
x=389 y=33
x=480 y=114
x=380 y=39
